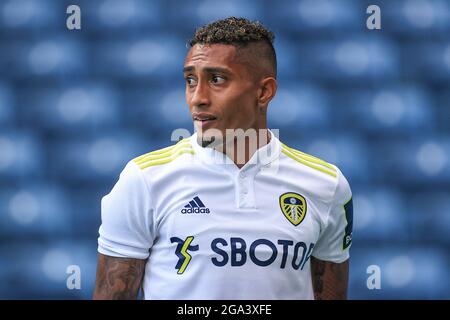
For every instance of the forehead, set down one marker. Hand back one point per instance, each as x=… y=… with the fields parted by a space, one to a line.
x=212 y=55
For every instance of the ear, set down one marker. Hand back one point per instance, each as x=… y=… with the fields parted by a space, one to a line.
x=267 y=90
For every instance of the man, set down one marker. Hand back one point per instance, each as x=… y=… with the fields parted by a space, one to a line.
x=226 y=215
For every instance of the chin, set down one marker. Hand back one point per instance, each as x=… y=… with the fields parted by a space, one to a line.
x=206 y=139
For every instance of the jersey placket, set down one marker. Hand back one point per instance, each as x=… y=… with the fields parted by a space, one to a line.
x=244 y=182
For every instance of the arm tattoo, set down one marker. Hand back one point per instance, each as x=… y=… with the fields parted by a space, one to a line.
x=118 y=278
x=330 y=280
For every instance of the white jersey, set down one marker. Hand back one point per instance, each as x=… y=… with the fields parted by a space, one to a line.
x=213 y=231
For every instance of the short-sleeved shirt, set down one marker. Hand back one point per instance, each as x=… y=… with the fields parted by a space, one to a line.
x=213 y=231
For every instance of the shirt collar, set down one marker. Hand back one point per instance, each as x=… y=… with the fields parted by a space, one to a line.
x=263 y=156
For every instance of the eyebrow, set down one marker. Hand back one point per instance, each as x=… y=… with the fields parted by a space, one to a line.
x=208 y=69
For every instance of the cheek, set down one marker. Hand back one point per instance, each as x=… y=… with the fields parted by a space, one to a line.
x=188 y=99
x=245 y=106
x=237 y=105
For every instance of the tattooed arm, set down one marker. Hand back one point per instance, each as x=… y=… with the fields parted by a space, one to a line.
x=118 y=278
x=330 y=280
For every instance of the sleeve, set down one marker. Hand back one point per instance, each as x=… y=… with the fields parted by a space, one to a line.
x=336 y=238
x=127 y=217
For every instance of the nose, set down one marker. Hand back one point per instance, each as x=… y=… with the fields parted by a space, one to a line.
x=199 y=97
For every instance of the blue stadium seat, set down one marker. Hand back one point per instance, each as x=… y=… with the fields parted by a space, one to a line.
x=151 y=56
x=347 y=151
x=289 y=66
x=386 y=111
x=75 y=106
x=37 y=209
x=40 y=269
x=299 y=106
x=157 y=111
x=379 y=215
x=22 y=155
x=430 y=61
x=417 y=18
x=359 y=57
x=7 y=104
x=142 y=109
x=69 y=109
x=96 y=158
x=406 y=273
x=443 y=112
x=429 y=214
x=28 y=14
x=207 y=11
x=52 y=56
x=86 y=205
x=123 y=15
x=422 y=162
x=307 y=16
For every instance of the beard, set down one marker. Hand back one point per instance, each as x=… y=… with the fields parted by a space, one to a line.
x=207 y=142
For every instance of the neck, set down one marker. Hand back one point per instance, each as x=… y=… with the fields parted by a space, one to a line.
x=241 y=148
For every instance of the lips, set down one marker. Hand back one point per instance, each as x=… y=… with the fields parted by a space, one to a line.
x=202 y=119
x=201 y=116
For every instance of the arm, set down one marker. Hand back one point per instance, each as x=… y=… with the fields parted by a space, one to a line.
x=118 y=278
x=330 y=280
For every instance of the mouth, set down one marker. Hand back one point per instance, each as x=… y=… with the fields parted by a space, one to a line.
x=203 y=119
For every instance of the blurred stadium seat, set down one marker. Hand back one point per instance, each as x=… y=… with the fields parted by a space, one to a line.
x=7 y=105
x=22 y=156
x=38 y=269
x=407 y=272
x=36 y=210
x=429 y=217
x=65 y=110
x=76 y=106
x=380 y=214
x=300 y=104
x=387 y=111
x=417 y=18
x=29 y=14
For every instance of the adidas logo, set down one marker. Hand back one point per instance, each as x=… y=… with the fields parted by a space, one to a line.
x=195 y=206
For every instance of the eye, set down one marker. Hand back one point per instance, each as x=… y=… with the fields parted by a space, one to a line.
x=218 y=79
x=190 y=81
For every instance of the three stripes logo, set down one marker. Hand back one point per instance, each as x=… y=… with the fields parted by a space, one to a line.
x=195 y=206
x=182 y=252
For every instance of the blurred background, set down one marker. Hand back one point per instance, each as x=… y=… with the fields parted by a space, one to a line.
x=75 y=106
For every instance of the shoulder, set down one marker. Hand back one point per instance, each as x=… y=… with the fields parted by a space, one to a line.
x=164 y=156
x=326 y=177
x=139 y=174
x=309 y=161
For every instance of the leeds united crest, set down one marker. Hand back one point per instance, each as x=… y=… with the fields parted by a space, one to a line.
x=293 y=207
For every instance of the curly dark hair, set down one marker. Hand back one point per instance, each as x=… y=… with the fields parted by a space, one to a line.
x=241 y=33
x=232 y=30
